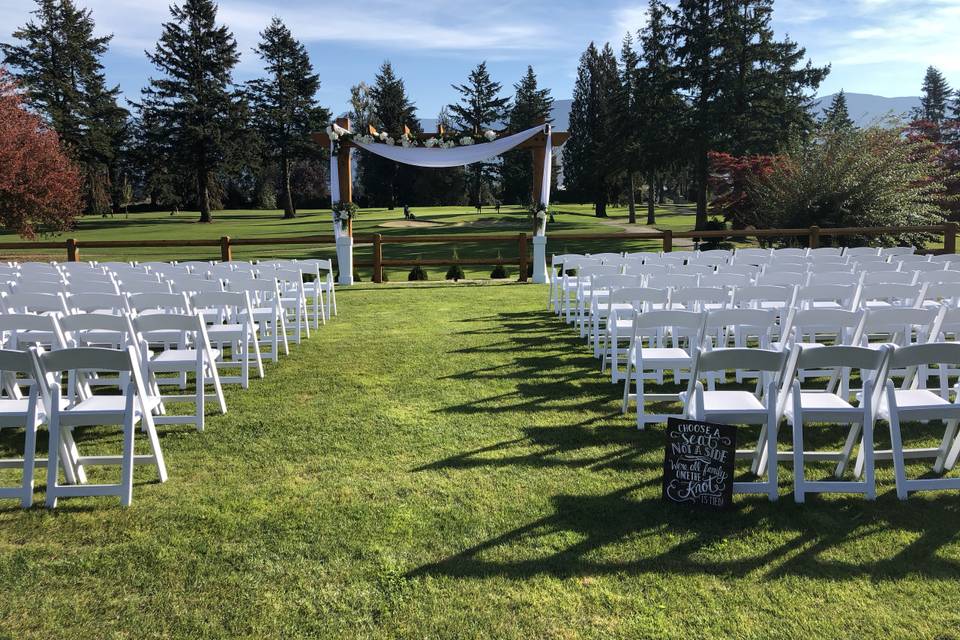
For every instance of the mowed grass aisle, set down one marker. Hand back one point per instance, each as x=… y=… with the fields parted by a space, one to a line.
x=447 y=462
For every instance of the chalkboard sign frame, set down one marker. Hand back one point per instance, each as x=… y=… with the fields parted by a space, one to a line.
x=698 y=463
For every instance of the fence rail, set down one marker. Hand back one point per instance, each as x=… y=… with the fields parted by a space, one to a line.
x=72 y=246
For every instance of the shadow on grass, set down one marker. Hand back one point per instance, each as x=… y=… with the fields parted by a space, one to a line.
x=838 y=538
x=715 y=543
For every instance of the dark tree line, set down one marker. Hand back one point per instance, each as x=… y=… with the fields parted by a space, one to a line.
x=702 y=76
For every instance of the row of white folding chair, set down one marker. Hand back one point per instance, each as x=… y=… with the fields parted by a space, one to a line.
x=786 y=398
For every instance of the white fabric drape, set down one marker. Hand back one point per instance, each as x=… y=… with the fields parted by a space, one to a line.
x=547 y=170
x=452 y=157
x=334 y=189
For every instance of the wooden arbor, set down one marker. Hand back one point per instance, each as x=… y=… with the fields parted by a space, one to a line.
x=537 y=146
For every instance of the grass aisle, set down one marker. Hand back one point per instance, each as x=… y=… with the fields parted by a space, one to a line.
x=445 y=462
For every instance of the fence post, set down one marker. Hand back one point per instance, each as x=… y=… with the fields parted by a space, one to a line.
x=668 y=240
x=814 y=240
x=226 y=252
x=950 y=237
x=377 y=257
x=73 y=251
x=523 y=257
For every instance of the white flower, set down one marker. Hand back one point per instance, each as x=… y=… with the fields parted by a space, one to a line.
x=383 y=136
x=390 y=141
x=541 y=214
x=430 y=143
x=334 y=136
x=448 y=144
x=466 y=141
x=489 y=135
x=337 y=129
x=329 y=129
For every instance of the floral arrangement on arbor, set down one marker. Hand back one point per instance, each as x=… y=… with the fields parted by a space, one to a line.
x=539 y=213
x=343 y=211
x=338 y=134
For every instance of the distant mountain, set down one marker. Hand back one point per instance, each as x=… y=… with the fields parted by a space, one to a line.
x=560 y=115
x=866 y=109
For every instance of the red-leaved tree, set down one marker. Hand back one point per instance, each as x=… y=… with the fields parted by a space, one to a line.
x=39 y=185
x=942 y=142
x=730 y=177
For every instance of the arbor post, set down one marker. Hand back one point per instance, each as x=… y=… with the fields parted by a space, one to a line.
x=73 y=252
x=345 y=185
x=523 y=257
x=814 y=239
x=950 y=237
x=226 y=251
x=377 y=257
x=668 y=240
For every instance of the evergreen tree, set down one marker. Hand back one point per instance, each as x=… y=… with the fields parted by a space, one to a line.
x=57 y=60
x=628 y=116
x=531 y=106
x=590 y=158
x=192 y=107
x=936 y=97
x=745 y=89
x=766 y=89
x=387 y=182
x=480 y=108
x=284 y=108
x=660 y=108
x=837 y=116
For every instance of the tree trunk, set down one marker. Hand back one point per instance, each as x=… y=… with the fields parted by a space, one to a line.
x=288 y=210
x=203 y=196
x=651 y=199
x=701 y=186
x=632 y=200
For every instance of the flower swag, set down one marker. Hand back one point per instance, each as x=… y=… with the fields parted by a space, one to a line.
x=338 y=134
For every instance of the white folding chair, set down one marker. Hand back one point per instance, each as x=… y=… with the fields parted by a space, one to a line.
x=267 y=311
x=193 y=354
x=230 y=324
x=624 y=303
x=662 y=341
x=78 y=407
x=557 y=263
x=112 y=303
x=828 y=296
x=815 y=406
x=910 y=404
x=322 y=285
x=19 y=412
x=734 y=406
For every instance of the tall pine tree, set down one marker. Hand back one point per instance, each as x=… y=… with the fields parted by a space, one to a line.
x=747 y=91
x=57 y=59
x=480 y=108
x=284 y=104
x=661 y=110
x=192 y=105
x=934 y=102
x=590 y=160
x=531 y=106
x=837 y=116
x=386 y=182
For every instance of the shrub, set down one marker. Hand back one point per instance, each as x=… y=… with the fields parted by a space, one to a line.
x=417 y=273
x=498 y=273
x=872 y=177
x=455 y=272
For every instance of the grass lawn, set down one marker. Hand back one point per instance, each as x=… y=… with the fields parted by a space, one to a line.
x=447 y=462
x=431 y=220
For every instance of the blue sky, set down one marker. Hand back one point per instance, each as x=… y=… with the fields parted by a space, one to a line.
x=875 y=46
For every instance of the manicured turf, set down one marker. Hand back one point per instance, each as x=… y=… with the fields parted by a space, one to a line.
x=447 y=462
x=269 y=224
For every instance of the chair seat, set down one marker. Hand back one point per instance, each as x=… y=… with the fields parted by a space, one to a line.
x=13 y=412
x=226 y=331
x=103 y=410
x=720 y=402
x=177 y=359
x=824 y=407
x=661 y=356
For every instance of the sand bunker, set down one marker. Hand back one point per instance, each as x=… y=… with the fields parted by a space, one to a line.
x=409 y=224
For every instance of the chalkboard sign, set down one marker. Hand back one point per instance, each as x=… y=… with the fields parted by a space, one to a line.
x=698 y=463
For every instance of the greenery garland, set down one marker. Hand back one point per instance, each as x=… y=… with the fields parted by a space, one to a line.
x=338 y=135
